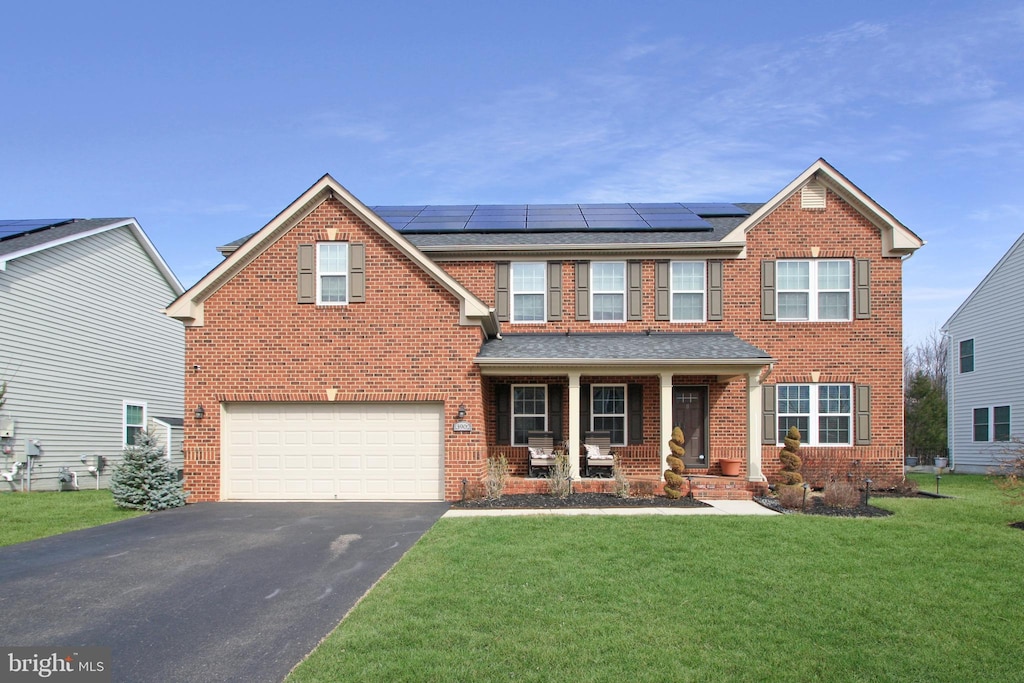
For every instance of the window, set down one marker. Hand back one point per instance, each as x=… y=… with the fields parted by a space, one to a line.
x=528 y=292
x=608 y=411
x=998 y=418
x=814 y=290
x=687 y=291
x=967 y=355
x=822 y=412
x=134 y=421
x=332 y=273
x=529 y=412
x=608 y=284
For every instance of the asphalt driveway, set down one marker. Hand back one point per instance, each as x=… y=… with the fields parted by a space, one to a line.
x=209 y=592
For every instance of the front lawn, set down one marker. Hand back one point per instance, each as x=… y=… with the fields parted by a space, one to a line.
x=932 y=593
x=27 y=516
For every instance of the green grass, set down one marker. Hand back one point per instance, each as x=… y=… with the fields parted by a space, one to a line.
x=933 y=593
x=27 y=516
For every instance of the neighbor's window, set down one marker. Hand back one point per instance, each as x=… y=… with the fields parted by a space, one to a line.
x=687 y=291
x=814 y=290
x=998 y=417
x=981 y=424
x=332 y=273
x=134 y=421
x=608 y=411
x=529 y=412
x=608 y=286
x=528 y=292
x=822 y=412
x=967 y=355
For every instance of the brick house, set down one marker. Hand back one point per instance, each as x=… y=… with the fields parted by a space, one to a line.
x=343 y=352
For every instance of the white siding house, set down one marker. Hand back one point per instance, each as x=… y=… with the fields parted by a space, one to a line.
x=986 y=370
x=86 y=352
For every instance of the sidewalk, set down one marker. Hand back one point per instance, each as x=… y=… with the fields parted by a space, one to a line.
x=717 y=507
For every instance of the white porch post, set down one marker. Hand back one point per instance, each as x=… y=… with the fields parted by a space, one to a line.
x=666 y=419
x=574 y=425
x=754 y=426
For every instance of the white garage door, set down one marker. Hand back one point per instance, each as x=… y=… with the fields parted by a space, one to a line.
x=332 y=451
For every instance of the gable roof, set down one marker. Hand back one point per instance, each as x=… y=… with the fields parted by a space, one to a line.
x=1010 y=254
x=24 y=237
x=897 y=239
x=189 y=306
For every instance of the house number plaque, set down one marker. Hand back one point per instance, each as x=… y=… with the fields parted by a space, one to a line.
x=462 y=426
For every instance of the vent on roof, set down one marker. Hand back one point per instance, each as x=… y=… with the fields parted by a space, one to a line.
x=812 y=196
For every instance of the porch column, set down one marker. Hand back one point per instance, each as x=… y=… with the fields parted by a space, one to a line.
x=754 y=426
x=666 y=419
x=574 y=425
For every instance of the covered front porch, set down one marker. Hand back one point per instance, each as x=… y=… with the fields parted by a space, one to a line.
x=636 y=387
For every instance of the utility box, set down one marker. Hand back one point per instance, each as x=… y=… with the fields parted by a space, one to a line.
x=6 y=427
x=32 y=448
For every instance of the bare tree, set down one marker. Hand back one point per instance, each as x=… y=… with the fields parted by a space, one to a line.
x=929 y=357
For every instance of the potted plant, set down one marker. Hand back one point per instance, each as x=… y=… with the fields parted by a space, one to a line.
x=730 y=466
x=911 y=461
x=941 y=462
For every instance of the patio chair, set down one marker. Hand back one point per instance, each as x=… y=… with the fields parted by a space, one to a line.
x=598 y=455
x=542 y=452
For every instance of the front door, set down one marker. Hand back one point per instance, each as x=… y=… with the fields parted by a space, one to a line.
x=690 y=411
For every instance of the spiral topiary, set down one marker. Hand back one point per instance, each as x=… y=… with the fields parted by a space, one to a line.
x=673 y=476
x=790 y=473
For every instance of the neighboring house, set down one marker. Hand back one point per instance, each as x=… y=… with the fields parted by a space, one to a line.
x=351 y=352
x=88 y=356
x=985 y=383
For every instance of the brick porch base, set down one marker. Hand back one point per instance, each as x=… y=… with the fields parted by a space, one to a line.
x=705 y=487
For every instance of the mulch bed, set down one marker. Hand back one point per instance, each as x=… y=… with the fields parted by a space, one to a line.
x=544 y=501
x=1018 y=525
x=816 y=506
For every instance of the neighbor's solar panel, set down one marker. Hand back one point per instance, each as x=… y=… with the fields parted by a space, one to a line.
x=11 y=228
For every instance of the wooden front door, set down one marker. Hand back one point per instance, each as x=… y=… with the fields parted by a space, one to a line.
x=690 y=411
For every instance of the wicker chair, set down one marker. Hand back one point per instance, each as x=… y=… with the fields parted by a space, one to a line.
x=598 y=463
x=542 y=452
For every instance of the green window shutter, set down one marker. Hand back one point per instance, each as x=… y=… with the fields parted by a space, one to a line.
x=635 y=413
x=554 y=291
x=768 y=292
x=714 y=290
x=634 y=291
x=583 y=290
x=555 y=412
x=357 y=273
x=584 y=409
x=503 y=414
x=769 y=425
x=662 y=290
x=501 y=288
x=307 y=274
x=862 y=295
x=863 y=426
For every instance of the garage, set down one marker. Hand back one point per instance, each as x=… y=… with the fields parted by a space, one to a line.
x=332 y=451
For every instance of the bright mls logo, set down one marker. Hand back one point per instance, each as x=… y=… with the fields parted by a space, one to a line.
x=79 y=664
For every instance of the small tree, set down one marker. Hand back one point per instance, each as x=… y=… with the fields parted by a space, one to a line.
x=144 y=479
x=674 y=474
x=791 y=463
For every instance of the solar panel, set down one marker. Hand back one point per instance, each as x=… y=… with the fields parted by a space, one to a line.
x=604 y=206
x=544 y=207
x=697 y=225
x=489 y=225
x=434 y=226
x=499 y=212
x=637 y=223
x=392 y=209
x=556 y=224
x=717 y=209
x=11 y=228
x=643 y=210
x=447 y=211
x=394 y=212
x=491 y=208
x=554 y=213
x=647 y=206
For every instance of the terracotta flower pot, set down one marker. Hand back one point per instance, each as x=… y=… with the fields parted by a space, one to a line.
x=730 y=466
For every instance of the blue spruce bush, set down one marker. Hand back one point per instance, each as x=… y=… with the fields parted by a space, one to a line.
x=144 y=479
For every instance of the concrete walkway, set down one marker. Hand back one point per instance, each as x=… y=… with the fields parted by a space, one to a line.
x=717 y=507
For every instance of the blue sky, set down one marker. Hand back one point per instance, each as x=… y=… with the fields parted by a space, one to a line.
x=204 y=120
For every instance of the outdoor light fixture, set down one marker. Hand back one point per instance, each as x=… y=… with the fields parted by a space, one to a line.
x=938 y=478
x=200 y=413
x=807 y=487
x=462 y=411
x=867 y=490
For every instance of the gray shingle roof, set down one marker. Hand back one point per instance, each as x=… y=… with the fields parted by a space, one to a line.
x=715 y=347
x=37 y=238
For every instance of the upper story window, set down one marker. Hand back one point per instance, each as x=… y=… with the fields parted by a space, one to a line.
x=687 y=291
x=608 y=291
x=134 y=421
x=967 y=355
x=608 y=411
x=814 y=290
x=332 y=273
x=529 y=288
x=529 y=411
x=822 y=412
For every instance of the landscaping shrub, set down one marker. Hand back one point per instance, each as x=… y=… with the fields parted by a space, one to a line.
x=497 y=476
x=144 y=480
x=642 y=488
x=1009 y=477
x=841 y=494
x=790 y=475
x=621 y=481
x=559 y=481
x=791 y=497
x=674 y=474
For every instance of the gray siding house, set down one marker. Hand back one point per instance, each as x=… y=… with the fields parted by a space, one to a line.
x=87 y=355
x=986 y=367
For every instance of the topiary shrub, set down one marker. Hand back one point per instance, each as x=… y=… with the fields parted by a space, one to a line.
x=790 y=473
x=674 y=474
x=144 y=480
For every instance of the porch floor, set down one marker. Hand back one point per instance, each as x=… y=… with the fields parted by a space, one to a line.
x=702 y=486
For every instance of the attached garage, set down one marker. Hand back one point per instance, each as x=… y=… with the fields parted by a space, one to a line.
x=332 y=451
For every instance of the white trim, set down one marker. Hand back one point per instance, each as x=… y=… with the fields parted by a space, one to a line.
x=672 y=292
x=320 y=274
x=814 y=289
x=813 y=414
x=543 y=292
x=124 y=419
x=623 y=292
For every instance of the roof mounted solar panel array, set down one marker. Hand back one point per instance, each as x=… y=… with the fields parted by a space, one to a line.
x=620 y=217
x=13 y=228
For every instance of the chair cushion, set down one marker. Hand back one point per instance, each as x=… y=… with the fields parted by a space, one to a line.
x=538 y=454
